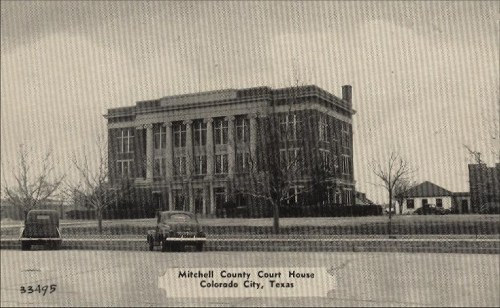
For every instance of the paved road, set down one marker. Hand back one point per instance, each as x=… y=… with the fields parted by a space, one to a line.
x=117 y=278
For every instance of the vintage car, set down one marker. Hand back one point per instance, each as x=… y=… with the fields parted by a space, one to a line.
x=431 y=210
x=41 y=227
x=176 y=229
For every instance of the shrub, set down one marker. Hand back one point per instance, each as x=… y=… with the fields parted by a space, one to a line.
x=81 y=214
x=127 y=213
x=490 y=208
x=330 y=210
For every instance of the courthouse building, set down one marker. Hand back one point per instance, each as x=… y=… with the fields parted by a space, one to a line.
x=193 y=151
x=484 y=182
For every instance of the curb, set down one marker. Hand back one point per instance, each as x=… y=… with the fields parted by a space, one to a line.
x=483 y=246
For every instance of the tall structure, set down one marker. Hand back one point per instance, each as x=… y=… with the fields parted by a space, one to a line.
x=192 y=151
x=484 y=184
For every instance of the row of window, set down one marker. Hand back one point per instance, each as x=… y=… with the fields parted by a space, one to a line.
x=220 y=130
x=243 y=163
x=334 y=195
x=410 y=203
x=290 y=159
x=290 y=129
x=180 y=199
x=329 y=164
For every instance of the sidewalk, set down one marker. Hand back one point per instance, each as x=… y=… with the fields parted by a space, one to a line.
x=489 y=246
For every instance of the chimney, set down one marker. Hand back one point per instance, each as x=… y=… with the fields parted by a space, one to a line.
x=347 y=93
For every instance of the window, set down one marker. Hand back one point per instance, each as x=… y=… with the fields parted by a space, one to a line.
x=220 y=196
x=336 y=131
x=200 y=164
x=125 y=141
x=180 y=135
x=221 y=164
x=425 y=203
x=439 y=202
x=123 y=167
x=200 y=133
x=346 y=164
x=289 y=127
x=179 y=199
x=410 y=204
x=242 y=130
x=160 y=138
x=198 y=196
x=159 y=167
x=346 y=140
x=293 y=195
x=220 y=131
x=290 y=159
x=243 y=161
x=325 y=159
x=335 y=161
x=347 y=197
x=180 y=165
x=323 y=128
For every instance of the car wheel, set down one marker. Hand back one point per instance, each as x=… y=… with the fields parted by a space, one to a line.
x=53 y=246
x=199 y=247
x=25 y=246
x=173 y=247
x=164 y=246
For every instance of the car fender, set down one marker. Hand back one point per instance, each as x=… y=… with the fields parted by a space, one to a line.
x=154 y=236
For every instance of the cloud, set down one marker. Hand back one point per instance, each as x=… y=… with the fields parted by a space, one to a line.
x=423 y=74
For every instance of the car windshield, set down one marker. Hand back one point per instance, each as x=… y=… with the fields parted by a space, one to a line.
x=179 y=217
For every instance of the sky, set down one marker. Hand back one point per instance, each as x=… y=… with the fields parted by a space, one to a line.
x=425 y=75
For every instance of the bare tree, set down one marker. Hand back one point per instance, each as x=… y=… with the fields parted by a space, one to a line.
x=492 y=121
x=475 y=154
x=392 y=174
x=93 y=185
x=280 y=166
x=35 y=181
x=400 y=190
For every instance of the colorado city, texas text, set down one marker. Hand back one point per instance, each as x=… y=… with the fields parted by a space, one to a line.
x=271 y=276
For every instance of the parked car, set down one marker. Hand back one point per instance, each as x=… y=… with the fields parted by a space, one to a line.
x=392 y=210
x=41 y=227
x=176 y=229
x=432 y=210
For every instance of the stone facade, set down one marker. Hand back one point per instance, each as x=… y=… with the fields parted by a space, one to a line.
x=190 y=152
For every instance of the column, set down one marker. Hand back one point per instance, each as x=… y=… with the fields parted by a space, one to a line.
x=189 y=148
x=139 y=154
x=191 y=197
x=253 y=140
x=206 y=198
x=212 y=199
x=169 y=168
x=170 y=199
x=210 y=146
x=231 y=146
x=149 y=151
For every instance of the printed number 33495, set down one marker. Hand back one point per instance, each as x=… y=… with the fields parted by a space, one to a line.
x=40 y=289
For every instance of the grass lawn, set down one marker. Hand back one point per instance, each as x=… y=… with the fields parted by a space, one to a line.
x=409 y=225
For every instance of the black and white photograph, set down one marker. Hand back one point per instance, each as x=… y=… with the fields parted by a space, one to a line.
x=250 y=153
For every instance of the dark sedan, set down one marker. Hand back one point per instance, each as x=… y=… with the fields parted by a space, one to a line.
x=176 y=229
x=41 y=228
